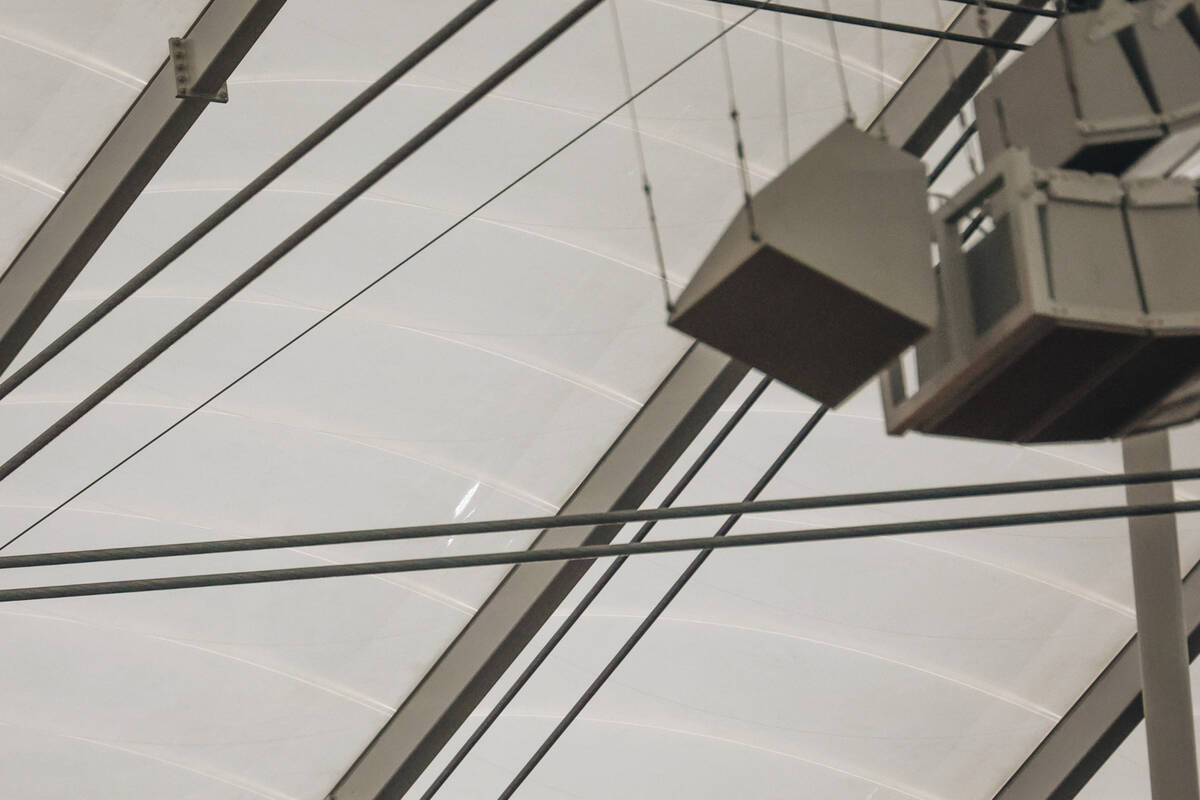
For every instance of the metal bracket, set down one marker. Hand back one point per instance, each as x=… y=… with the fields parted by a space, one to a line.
x=180 y=59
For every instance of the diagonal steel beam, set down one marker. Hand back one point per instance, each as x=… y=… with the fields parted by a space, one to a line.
x=917 y=114
x=125 y=162
x=1099 y=721
x=526 y=598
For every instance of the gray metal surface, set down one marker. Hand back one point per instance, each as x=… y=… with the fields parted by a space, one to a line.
x=522 y=603
x=1072 y=100
x=1162 y=638
x=833 y=280
x=1075 y=318
x=1097 y=92
x=122 y=166
x=917 y=114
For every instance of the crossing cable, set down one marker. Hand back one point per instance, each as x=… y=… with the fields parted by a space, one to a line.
x=298 y=236
x=735 y=119
x=881 y=74
x=657 y=611
x=641 y=159
x=379 y=279
x=843 y=84
x=592 y=593
x=984 y=29
x=866 y=22
x=781 y=66
x=243 y=196
x=314 y=223
x=446 y=231
x=964 y=137
x=948 y=59
x=592 y=552
x=619 y=517
x=383 y=534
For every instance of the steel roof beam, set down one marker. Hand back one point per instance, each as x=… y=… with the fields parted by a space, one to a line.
x=530 y=593
x=1098 y=723
x=119 y=170
x=1101 y=719
x=917 y=114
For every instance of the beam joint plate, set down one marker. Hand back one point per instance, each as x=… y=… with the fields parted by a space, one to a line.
x=182 y=59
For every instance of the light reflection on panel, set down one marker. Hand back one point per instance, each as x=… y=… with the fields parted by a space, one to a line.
x=927 y=665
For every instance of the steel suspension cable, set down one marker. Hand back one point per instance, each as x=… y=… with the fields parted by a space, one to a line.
x=843 y=83
x=243 y=196
x=380 y=278
x=785 y=133
x=592 y=593
x=640 y=151
x=739 y=145
x=657 y=611
x=298 y=236
x=620 y=517
x=954 y=149
x=592 y=552
x=866 y=22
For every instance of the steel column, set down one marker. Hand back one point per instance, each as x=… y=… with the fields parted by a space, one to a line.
x=1162 y=639
x=126 y=161
x=1112 y=706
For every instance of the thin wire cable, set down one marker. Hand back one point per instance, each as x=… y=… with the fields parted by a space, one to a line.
x=592 y=593
x=293 y=240
x=950 y=74
x=592 y=552
x=430 y=243
x=785 y=133
x=895 y=27
x=843 y=83
x=739 y=145
x=620 y=517
x=881 y=75
x=641 y=159
x=982 y=10
x=243 y=196
x=657 y=611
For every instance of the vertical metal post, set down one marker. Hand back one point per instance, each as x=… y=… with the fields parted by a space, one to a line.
x=1162 y=638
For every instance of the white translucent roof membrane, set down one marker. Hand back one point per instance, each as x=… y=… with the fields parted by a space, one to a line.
x=922 y=666
x=483 y=379
x=70 y=71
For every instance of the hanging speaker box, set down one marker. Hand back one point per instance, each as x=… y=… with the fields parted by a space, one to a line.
x=1102 y=91
x=836 y=278
x=1079 y=98
x=1163 y=387
x=1075 y=318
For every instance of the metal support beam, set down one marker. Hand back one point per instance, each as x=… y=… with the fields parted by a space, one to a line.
x=1162 y=641
x=526 y=598
x=491 y=641
x=946 y=79
x=125 y=162
x=1112 y=706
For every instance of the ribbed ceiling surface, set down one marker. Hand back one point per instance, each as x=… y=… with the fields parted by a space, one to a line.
x=482 y=380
